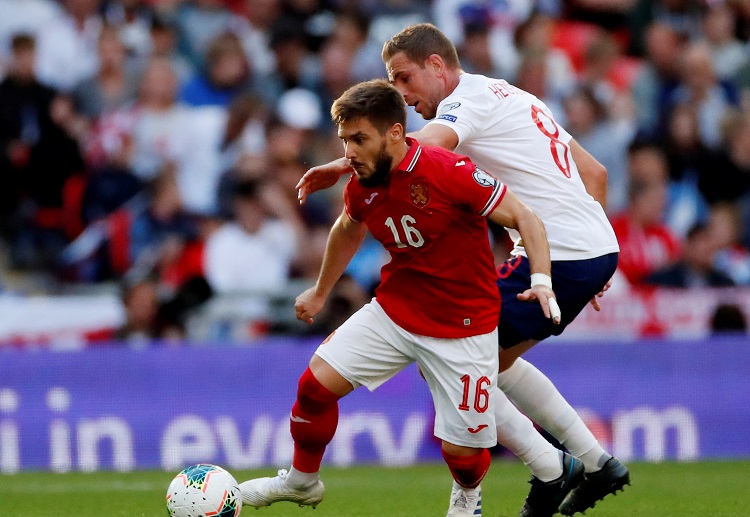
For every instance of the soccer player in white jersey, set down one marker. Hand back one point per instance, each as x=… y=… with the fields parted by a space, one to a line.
x=512 y=134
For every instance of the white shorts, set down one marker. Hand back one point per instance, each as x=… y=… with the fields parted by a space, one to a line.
x=369 y=348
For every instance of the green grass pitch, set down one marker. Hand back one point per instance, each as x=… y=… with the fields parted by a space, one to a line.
x=706 y=489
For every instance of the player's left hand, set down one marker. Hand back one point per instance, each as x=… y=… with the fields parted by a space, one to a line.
x=308 y=304
x=546 y=298
x=594 y=302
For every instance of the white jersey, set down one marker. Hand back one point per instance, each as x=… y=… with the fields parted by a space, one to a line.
x=512 y=134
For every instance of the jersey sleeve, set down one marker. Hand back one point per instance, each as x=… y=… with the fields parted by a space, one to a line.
x=475 y=189
x=463 y=115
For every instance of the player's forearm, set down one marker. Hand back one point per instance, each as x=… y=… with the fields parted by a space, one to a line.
x=340 y=249
x=534 y=238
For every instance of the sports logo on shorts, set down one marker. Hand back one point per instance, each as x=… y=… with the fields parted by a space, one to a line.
x=483 y=178
x=419 y=193
x=448 y=107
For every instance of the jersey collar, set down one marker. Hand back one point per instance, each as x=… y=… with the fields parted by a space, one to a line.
x=412 y=155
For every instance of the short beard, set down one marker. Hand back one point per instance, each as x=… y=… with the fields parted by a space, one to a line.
x=383 y=162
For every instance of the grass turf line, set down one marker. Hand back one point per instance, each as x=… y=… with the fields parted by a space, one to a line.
x=705 y=489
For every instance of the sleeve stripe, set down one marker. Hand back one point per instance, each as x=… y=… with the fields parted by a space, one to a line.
x=497 y=195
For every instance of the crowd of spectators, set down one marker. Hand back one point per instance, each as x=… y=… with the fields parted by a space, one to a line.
x=157 y=143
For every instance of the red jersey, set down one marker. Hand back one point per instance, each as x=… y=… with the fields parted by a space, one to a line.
x=430 y=216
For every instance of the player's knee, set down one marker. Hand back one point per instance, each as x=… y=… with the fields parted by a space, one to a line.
x=312 y=396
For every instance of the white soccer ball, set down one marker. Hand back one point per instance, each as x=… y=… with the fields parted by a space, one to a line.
x=204 y=490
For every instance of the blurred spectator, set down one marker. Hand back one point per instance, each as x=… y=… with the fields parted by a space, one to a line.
x=728 y=318
x=728 y=53
x=343 y=56
x=689 y=159
x=533 y=76
x=686 y=153
x=244 y=135
x=291 y=133
x=728 y=178
x=22 y=17
x=175 y=312
x=164 y=45
x=166 y=132
x=684 y=16
x=141 y=303
x=39 y=154
x=657 y=79
x=646 y=242
x=475 y=54
x=696 y=267
x=296 y=66
x=254 y=30
x=732 y=258
x=159 y=127
x=253 y=252
x=700 y=87
x=133 y=21
x=601 y=57
x=608 y=142
x=226 y=75
x=67 y=45
x=535 y=35
x=200 y=22
x=142 y=235
x=504 y=17
x=116 y=83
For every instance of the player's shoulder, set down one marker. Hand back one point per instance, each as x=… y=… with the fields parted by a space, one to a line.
x=439 y=156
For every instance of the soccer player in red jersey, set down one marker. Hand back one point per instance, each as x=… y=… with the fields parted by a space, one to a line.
x=437 y=303
x=514 y=136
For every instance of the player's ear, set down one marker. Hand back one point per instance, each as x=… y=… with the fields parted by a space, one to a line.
x=435 y=63
x=395 y=133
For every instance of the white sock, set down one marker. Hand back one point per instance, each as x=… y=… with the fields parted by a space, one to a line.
x=534 y=394
x=517 y=433
x=299 y=479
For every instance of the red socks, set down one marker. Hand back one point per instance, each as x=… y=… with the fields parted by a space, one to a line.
x=315 y=416
x=468 y=471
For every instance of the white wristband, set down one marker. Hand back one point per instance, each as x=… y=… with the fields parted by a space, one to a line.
x=541 y=279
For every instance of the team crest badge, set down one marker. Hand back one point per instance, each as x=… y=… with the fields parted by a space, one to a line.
x=420 y=194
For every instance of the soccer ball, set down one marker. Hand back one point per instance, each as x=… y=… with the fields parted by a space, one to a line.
x=204 y=490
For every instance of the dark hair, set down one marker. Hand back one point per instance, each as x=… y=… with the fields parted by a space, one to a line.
x=23 y=41
x=419 y=42
x=376 y=100
x=246 y=189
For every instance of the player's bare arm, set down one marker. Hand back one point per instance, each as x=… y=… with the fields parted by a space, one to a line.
x=512 y=213
x=438 y=135
x=322 y=177
x=343 y=242
x=325 y=176
x=593 y=174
